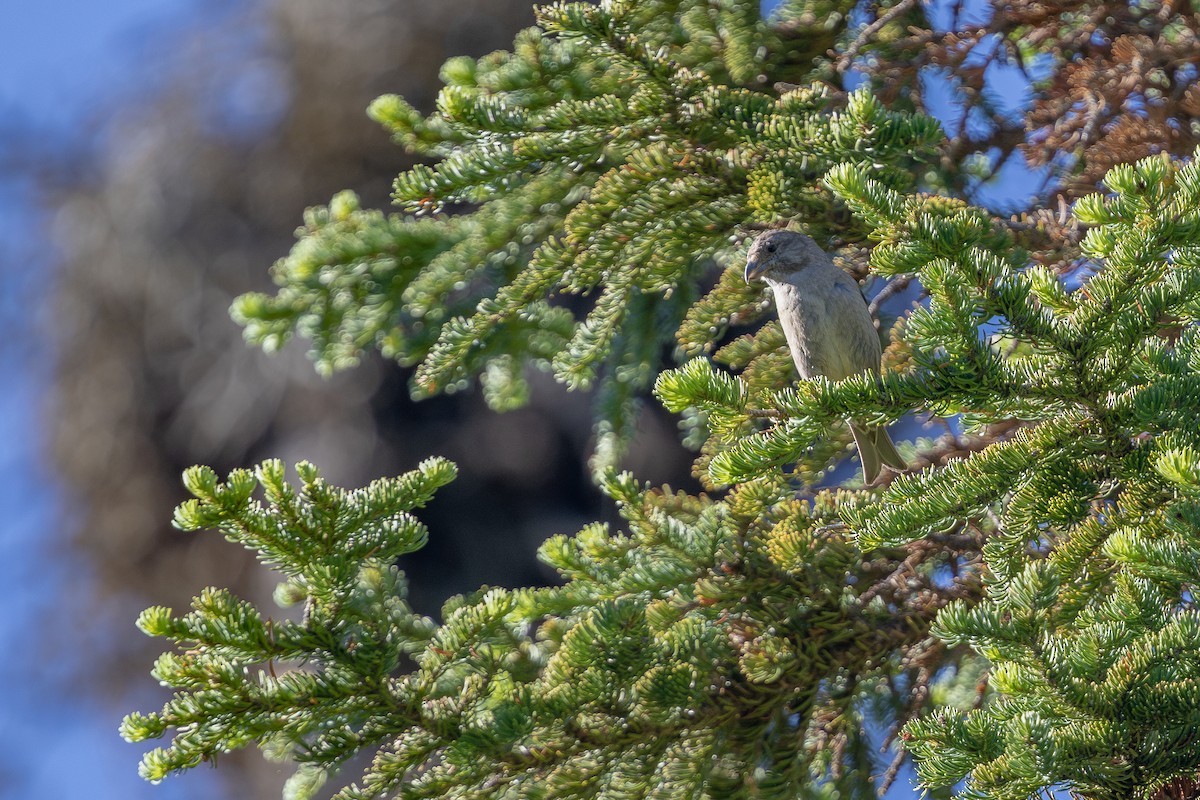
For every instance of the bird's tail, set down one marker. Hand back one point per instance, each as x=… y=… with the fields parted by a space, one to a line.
x=876 y=450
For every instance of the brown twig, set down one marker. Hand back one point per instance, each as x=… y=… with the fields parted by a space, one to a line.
x=864 y=36
x=893 y=288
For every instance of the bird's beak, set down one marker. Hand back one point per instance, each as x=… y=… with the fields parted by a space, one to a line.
x=754 y=269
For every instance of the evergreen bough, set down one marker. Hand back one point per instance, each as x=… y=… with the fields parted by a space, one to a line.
x=1021 y=612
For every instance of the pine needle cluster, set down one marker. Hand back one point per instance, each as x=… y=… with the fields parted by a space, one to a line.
x=608 y=166
x=1017 y=611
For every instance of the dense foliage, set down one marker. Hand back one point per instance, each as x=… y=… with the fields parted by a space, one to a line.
x=1018 y=607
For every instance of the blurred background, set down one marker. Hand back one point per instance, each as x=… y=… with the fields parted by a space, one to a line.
x=155 y=159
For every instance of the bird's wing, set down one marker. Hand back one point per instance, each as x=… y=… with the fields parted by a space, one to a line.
x=859 y=348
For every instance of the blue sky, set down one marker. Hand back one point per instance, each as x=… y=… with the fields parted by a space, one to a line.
x=63 y=58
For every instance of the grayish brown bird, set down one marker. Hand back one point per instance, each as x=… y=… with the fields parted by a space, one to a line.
x=827 y=324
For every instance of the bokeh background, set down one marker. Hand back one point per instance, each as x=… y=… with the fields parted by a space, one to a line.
x=155 y=159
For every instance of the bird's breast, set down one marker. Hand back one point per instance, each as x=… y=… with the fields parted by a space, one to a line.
x=828 y=330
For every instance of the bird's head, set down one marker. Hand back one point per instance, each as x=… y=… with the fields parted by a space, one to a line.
x=777 y=254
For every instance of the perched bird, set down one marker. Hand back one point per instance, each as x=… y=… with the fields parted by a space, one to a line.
x=827 y=324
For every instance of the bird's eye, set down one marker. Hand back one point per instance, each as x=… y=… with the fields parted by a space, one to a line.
x=770 y=248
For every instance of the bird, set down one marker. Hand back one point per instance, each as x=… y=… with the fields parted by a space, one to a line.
x=828 y=326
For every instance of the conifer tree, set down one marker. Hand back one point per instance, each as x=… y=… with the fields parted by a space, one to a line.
x=1016 y=611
